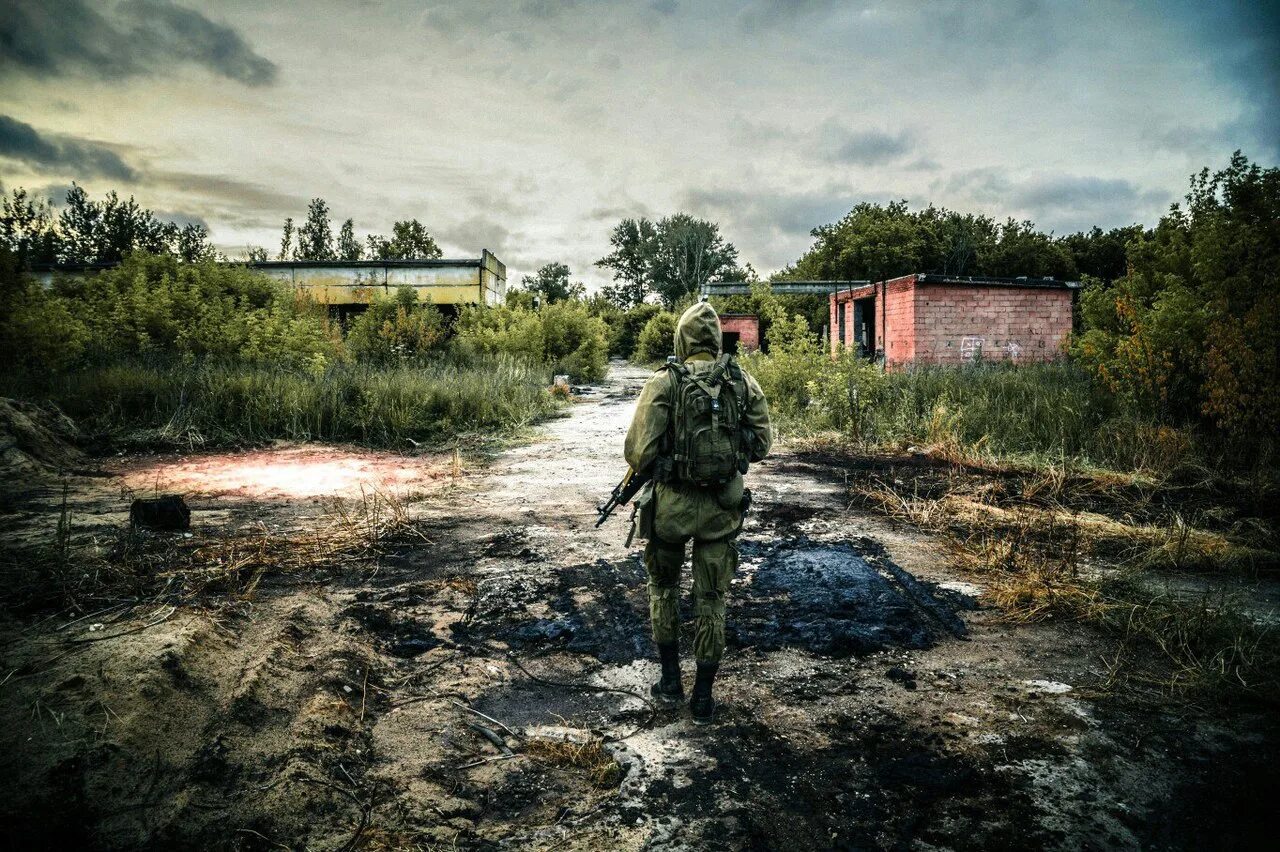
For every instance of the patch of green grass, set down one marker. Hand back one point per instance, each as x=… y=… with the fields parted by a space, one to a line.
x=211 y=403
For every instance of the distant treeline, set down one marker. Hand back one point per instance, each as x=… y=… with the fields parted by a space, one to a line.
x=88 y=231
x=85 y=231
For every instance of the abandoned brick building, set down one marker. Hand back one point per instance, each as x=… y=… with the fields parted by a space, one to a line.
x=947 y=319
x=741 y=332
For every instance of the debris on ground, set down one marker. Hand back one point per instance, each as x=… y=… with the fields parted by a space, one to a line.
x=350 y=649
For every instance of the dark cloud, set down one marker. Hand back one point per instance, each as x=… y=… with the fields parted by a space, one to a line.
x=133 y=38
x=475 y=233
x=770 y=14
x=982 y=186
x=616 y=214
x=1074 y=193
x=181 y=219
x=1240 y=41
x=224 y=190
x=863 y=147
x=66 y=155
x=784 y=213
x=1060 y=202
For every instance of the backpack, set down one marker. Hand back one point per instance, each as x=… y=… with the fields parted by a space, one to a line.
x=706 y=432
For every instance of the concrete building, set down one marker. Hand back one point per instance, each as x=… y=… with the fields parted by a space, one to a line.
x=350 y=284
x=741 y=332
x=947 y=319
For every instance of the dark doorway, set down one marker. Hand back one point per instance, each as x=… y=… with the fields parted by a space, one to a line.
x=864 y=326
x=729 y=342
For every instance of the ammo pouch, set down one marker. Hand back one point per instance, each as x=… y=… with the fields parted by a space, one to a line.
x=729 y=495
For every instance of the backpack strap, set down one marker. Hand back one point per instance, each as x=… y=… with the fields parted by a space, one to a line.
x=678 y=372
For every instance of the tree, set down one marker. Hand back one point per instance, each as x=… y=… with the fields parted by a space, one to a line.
x=27 y=228
x=107 y=231
x=286 y=239
x=687 y=254
x=1192 y=330
x=876 y=242
x=315 y=237
x=78 y=224
x=410 y=240
x=192 y=245
x=632 y=241
x=1102 y=254
x=88 y=231
x=552 y=281
x=255 y=254
x=672 y=258
x=349 y=247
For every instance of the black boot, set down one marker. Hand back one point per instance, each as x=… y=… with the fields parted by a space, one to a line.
x=702 y=705
x=669 y=688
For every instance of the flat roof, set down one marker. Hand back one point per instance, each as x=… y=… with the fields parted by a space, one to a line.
x=1021 y=282
x=424 y=263
x=367 y=264
x=986 y=281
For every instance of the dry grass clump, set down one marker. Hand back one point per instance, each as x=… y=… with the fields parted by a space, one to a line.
x=589 y=757
x=1060 y=545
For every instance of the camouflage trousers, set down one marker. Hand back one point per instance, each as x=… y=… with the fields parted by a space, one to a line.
x=679 y=517
x=713 y=565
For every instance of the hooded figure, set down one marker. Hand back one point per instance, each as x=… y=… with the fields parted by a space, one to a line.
x=672 y=511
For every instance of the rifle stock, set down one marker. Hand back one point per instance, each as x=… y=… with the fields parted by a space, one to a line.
x=623 y=492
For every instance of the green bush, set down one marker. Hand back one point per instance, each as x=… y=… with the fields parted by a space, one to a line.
x=1191 y=334
x=564 y=335
x=624 y=332
x=574 y=341
x=397 y=331
x=156 y=306
x=1034 y=412
x=657 y=339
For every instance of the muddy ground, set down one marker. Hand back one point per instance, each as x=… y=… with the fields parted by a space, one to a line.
x=870 y=700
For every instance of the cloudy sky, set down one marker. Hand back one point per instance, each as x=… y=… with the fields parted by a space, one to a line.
x=530 y=128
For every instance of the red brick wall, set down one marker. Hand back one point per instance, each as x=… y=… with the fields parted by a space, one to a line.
x=847 y=298
x=747 y=327
x=898 y=316
x=952 y=323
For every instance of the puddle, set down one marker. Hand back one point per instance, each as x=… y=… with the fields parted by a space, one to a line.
x=832 y=599
x=835 y=599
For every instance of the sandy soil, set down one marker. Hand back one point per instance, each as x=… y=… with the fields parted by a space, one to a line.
x=869 y=699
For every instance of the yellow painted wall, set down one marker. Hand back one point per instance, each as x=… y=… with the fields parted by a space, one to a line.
x=464 y=284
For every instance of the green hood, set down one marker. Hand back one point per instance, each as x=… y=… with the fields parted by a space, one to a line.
x=698 y=331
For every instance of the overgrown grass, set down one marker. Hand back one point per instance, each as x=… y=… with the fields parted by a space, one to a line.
x=1039 y=414
x=1054 y=545
x=217 y=403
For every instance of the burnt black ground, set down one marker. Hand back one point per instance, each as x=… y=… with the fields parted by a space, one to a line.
x=853 y=715
x=828 y=598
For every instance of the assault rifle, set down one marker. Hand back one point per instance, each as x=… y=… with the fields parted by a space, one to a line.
x=623 y=492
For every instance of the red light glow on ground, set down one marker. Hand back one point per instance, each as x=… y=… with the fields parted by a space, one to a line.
x=294 y=472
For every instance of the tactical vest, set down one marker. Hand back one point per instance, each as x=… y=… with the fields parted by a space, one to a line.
x=706 y=434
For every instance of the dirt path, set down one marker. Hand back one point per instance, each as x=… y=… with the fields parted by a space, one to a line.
x=869 y=701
